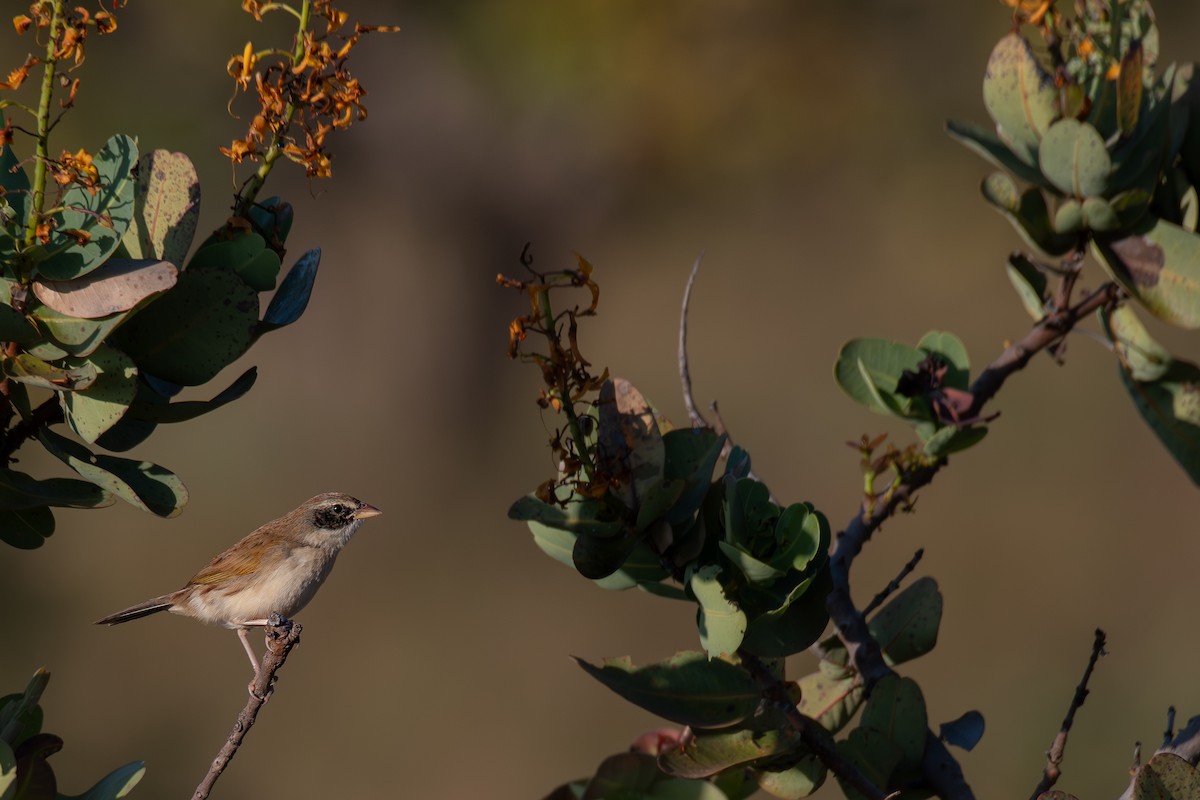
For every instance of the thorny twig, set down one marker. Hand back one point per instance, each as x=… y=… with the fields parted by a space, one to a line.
x=886 y=592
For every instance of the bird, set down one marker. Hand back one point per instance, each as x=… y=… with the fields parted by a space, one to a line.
x=275 y=569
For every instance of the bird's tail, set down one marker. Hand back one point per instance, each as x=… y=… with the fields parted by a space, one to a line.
x=152 y=606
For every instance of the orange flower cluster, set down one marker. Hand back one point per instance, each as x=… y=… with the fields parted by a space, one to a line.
x=303 y=98
x=76 y=169
x=72 y=35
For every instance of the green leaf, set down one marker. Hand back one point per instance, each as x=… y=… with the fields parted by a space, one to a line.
x=1020 y=96
x=273 y=219
x=688 y=689
x=873 y=753
x=598 y=557
x=92 y=411
x=988 y=145
x=964 y=732
x=14 y=327
x=658 y=500
x=1029 y=283
x=292 y=298
x=896 y=709
x=1073 y=157
x=874 y=385
x=25 y=368
x=1159 y=264
x=103 y=216
x=949 y=440
x=690 y=455
x=1027 y=212
x=1141 y=357
x=796 y=782
x=140 y=483
x=26 y=528
x=19 y=491
x=577 y=516
x=708 y=753
x=1170 y=405
x=625 y=775
x=116 y=784
x=831 y=695
x=184 y=410
x=796 y=623
x=118 y=285
x=166 y=207
x=195 y=330
x=952 y=352
x=246 y=254
x=1166 y=776
x=71 y=335
x=721 y=623
x=907 y=626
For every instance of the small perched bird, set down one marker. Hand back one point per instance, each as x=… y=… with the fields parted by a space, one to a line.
x=277 y=568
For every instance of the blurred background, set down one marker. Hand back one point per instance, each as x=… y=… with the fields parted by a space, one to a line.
x=800 y=147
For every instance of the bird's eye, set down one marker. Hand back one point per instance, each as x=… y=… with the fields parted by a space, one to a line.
x=334 y=516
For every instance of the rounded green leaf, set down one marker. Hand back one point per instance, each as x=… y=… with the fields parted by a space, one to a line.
x=869 y=369
x=796 y=782
x=72 y=335
x=103 y=216
x=688 y=689
x=1069 y=217
x=1027 y=213
x=14 y=327
x=195 y=330
x=94 y=410
x=166 y=207
x=1159 y=264
x=1099 y=215
x=1029 y=283
x=988 y=145
x=26 y=528
x=1140 y=355
x=720 y=622
x=246 y=254
x=707 y=754
x=1019 y=95
x=907 y=626
x=1073 y=157
x=896 y=709
x=26 y=368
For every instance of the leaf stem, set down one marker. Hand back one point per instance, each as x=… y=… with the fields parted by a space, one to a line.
x=253 y=185
x=42 y=137
x=564 y=391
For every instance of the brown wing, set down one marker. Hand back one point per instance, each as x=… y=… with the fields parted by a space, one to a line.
x=244 y=558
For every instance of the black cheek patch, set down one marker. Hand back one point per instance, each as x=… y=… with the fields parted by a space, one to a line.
x=332 y=517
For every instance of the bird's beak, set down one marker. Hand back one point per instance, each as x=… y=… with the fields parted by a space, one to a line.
x=367 y=510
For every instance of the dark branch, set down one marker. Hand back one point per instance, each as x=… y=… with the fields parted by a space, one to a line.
x=48 y=413
x=811 y=733
x=941 y=771
x=1058 y=749
x=282 y=636
x=886 y=592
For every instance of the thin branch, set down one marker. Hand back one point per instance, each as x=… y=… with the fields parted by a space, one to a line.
x=815 y=737
x=878 y=599
x=1169 y=733
x=685 y=375
x=1058 y=749
x=282 y=636
x=940 y=770
x=48 y=413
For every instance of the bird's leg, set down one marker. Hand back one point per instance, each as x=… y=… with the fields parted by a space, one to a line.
x=249 y=654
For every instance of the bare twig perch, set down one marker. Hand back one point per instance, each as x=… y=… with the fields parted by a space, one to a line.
x=282 y=636
x=1058 y=749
